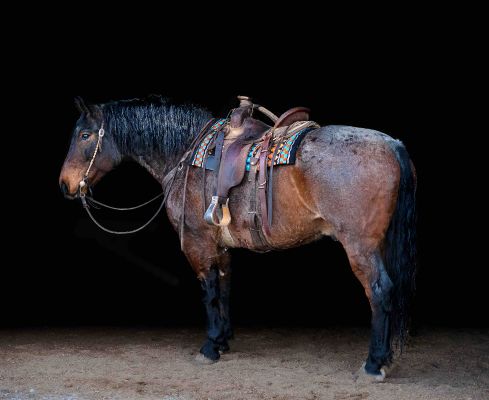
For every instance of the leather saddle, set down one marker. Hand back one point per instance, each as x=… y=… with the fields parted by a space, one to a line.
x=230 y=152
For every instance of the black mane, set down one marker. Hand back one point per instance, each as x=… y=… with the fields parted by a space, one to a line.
x=142 y=126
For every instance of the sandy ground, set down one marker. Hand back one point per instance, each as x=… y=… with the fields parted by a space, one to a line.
x=263 y=364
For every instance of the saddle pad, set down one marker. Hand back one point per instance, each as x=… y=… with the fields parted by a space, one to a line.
x=199 y=154
x=287 y=149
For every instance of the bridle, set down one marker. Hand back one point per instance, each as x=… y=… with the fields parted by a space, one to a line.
x=98 y=147
x=167 y=184
x=83 y=185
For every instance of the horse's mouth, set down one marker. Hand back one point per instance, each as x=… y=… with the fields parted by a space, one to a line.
x=71 y=196
x=81 y=190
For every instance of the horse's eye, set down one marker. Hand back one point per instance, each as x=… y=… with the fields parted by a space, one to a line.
x=85 y=136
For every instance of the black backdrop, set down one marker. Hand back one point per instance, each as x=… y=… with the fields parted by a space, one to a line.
x=59 y=269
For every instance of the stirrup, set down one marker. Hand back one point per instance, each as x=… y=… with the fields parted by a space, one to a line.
x=218 y=212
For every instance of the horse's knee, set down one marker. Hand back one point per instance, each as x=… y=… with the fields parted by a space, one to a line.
x=210 y=287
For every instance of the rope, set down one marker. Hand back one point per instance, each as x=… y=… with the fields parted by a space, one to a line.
x=167 y=184
x=125 y=232
x=92 y=200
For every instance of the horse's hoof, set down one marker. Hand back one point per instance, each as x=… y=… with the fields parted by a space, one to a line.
x=223 y=348
x=362 y=376
x=201 y=359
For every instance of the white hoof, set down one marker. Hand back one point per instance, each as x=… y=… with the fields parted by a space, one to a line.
x=201 y=359
x=362 y=376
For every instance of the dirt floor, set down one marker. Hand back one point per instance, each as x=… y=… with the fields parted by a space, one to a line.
x=263 y=364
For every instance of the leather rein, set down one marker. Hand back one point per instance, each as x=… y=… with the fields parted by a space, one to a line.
x=167 y=184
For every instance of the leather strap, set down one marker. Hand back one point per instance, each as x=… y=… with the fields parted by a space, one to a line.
x=204 y=196
x=255 y=226
x=186 y=160
x=182 y=215
x=262 y=178
x=212 y=161
x=270 y=186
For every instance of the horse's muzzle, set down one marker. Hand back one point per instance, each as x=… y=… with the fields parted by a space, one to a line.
x=66 y=193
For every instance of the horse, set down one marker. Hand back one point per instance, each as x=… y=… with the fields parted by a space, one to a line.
x=353 y=184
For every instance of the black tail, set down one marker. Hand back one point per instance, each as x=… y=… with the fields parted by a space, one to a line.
x=400 y=247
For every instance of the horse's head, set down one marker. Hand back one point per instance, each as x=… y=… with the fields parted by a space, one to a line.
x=83 y=150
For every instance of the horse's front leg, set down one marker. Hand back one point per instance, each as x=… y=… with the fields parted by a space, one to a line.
x=212 y=268
x=216 y=334
x=224 y=266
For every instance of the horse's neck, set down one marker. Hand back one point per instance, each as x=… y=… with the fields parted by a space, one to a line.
x=158 y=168
x=168 y=129
x=158 y=165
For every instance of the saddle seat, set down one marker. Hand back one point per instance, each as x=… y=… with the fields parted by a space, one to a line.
x=233 y=147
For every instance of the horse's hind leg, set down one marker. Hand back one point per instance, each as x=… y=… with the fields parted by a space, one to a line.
x=369 y=268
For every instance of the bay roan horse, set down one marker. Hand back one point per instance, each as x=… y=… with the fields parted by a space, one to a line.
x=356 y=185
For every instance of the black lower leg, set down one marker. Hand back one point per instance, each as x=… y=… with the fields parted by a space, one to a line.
x=380 y=352
x=225 y=293
x=215 y=325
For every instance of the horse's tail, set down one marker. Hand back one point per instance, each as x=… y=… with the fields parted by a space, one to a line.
x=400 y=247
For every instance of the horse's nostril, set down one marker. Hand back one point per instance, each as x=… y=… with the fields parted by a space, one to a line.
x=64 y=188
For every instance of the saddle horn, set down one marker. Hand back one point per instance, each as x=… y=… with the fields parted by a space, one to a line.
x=245 y=101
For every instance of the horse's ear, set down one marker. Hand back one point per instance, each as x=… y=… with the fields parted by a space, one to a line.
x=80 y=105
x=95 y=111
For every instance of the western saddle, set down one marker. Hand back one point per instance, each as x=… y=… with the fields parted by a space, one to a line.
x=229 y=153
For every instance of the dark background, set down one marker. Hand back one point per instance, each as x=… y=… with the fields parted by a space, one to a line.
x=59 y=269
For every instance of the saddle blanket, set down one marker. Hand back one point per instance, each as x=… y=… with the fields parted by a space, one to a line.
x=200 y=152
x=285 y=153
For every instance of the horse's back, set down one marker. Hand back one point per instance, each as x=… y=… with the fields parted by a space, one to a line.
x=346 y=149
x=343 y=137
